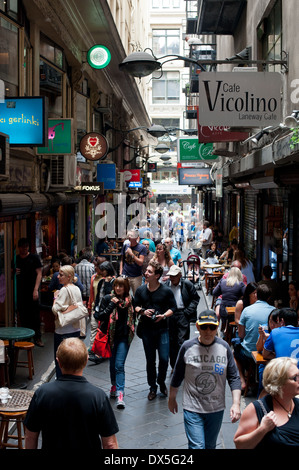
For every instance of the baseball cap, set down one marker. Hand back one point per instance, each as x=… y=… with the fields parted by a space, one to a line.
x=207 y=317
x=174 y=270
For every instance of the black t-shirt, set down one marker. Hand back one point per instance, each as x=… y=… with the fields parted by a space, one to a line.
x=130 y=268
x=27 y=277
x=162 y=299
x=286 y=435
x=71 y=413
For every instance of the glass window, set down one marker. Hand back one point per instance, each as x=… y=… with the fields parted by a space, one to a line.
x=51 y=86
x=27 y=67
x=167 y=88
x=81 y=116
x=165 y=3
x=272 y=37
x=50 y=51
x=9 y=52
x=166 y=41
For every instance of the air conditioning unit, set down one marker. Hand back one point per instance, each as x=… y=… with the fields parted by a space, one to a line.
x=63 y=171
x=4 y=156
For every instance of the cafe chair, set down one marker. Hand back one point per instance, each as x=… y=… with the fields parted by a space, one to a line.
x=6 y=422
x=25 y=346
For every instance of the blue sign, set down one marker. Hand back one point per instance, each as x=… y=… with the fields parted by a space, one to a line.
x=106 y=173
x=135 y=184
x=23 y=119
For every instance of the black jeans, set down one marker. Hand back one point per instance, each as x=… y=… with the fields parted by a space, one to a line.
x=179 y=331
x=153 y=340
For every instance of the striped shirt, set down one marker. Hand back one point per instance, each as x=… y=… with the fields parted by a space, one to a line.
x=85 y=270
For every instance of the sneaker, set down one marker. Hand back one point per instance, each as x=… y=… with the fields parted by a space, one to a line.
x=113 y=391
x=120 y=404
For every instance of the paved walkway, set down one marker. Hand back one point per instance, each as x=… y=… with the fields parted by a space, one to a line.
x=143 y=424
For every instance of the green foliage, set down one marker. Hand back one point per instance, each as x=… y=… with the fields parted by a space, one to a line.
x=295 y=138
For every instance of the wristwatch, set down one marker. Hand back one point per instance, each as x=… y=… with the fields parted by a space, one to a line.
x=164 y=316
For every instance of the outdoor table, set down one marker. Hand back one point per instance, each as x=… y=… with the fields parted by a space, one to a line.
x=12 y=334
x=258 y=358
x=19 y=401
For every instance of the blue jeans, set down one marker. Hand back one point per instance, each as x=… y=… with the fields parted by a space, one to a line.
x=117 y=363
x=156 y=340
x=202 y=429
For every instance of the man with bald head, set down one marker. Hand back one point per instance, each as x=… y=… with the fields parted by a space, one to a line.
x=174 y=253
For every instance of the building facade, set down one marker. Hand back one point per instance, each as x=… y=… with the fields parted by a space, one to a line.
x=44 y=47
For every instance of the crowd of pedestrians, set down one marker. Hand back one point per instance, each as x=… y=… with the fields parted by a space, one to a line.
x=148 y=296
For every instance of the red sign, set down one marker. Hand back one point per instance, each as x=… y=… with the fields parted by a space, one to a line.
x=131 y=175
x=207 y=134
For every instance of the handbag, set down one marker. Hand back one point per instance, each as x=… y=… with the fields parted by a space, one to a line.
x=101 y=345
x=73 y=317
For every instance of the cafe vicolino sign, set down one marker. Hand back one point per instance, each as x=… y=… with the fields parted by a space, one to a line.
x=239 y=99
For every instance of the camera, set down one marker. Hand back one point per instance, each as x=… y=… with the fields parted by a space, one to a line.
x=154 y=315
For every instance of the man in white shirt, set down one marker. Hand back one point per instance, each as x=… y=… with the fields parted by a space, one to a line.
x=206 y=238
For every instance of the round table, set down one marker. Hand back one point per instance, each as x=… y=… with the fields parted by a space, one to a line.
x=19 y=401
x=12 y=334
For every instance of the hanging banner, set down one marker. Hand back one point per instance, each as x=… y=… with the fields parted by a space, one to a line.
x=214 y=134
x=238 y=99
x=195 y=176
x=189 y=149
x=60 y=138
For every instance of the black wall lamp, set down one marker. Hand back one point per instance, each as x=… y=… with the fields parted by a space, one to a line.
x=141 y=64
x=154 y=130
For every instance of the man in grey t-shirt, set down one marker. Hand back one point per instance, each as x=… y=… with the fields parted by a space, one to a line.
x=205 y=363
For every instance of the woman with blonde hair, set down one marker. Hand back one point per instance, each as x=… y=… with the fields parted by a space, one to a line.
x=231 y=289
x=273 y=421
x=63 y=301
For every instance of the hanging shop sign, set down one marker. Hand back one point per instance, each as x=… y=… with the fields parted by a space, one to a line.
x=94 y=146
x=152 y=167
x=60 y=138
x=106 y=173
x=189 y=149
x=195 y=176
x=24 y=120
x=92 y=188
x=98 y=56
x=214 y=134
x=131 y=175
x=135 y=184
x=238 y=99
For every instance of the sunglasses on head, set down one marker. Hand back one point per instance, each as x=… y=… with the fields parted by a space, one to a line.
x=205 y=327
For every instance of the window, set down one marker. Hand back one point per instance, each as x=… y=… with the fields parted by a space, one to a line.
x=271 y=36
x=167 y=88
x=166 y=41
x=9 y=53
x=10 y=7
x=165 y=3
x=50 y=51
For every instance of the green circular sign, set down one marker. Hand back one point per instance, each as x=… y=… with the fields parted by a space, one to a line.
x=98 y=57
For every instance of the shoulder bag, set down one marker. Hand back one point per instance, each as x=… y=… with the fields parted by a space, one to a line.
x=101 y=345
x=76 y=311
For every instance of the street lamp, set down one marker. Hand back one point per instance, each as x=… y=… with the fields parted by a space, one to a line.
x=142 y=64
x=154 y=130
